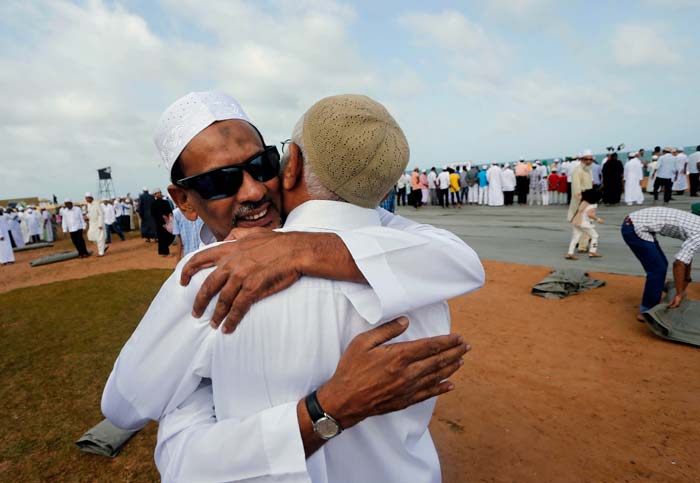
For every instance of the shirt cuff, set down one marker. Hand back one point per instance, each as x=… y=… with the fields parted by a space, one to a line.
x=369 y=248
x=282 y=440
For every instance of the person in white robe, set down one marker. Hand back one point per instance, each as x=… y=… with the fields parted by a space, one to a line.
x=96 y=225
x=634 y=176
x=493 y=175
x=47 y=225
x=6 y=253
x=23 y=225
x=33 y=225
x=652 y=167
x=15 y=227
x=680 y=184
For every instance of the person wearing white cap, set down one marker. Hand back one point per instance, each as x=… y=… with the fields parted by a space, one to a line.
x=493 y=176
x=147 y=222
x=96 y=224
x=634 y=176
x=652 y=167
x=7 y=256
x=665 y=175
x=289 y=345
x=508 y=184
x=581 y=180
x=680 y=184
x=33 y=225
x=47 y=225
x=72 y=222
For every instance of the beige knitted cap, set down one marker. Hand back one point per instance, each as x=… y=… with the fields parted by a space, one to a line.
x=355 y=147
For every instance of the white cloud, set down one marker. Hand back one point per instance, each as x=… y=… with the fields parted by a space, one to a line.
x=85 y=86
x=477 y=59
x=518 y=7
x=638 y=45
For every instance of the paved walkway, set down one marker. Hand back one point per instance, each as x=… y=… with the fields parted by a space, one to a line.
x=540 y=235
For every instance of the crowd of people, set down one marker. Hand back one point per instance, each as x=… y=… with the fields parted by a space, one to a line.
x=153 y=214
x=546 y=183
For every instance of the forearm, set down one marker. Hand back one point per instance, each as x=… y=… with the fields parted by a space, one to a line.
x=681 y=273
x=324 y=255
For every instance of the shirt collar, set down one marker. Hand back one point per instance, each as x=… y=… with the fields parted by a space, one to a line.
x=206 y=237
x=330 y=215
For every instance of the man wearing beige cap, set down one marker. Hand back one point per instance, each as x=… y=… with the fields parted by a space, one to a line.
x=347 y=152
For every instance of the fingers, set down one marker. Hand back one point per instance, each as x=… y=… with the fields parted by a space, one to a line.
x=435 y=377
x=211 y=286
x=430 y=392
x=223 y=306
x=422 y=348
x=439 y=361
x=383 y=333
x=204 y=259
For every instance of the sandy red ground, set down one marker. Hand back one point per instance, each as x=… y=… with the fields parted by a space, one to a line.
x=571 y=390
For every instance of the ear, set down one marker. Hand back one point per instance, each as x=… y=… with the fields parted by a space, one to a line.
x=183 y=201
x=291 y=175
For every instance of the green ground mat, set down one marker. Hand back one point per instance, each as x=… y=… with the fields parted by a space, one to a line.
x=564 y=282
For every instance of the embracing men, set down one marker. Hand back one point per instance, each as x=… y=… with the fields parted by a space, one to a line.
x=305 y=389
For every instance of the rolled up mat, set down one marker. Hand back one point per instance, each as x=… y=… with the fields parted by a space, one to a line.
x=33 y=246
x=104 y=439
x=54 y=258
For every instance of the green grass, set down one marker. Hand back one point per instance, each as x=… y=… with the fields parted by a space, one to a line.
x=59 y=342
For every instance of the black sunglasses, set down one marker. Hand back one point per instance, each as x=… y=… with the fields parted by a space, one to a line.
x=224 y=182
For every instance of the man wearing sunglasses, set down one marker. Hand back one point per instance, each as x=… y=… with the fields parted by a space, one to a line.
x=159 y=370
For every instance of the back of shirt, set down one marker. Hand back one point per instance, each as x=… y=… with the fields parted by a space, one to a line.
x=289 y=344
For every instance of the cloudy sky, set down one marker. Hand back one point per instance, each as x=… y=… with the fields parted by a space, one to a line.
x=83 y=83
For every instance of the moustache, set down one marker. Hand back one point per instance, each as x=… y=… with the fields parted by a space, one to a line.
x=248 y=207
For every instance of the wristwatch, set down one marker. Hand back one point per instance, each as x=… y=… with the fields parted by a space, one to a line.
x=324 y=425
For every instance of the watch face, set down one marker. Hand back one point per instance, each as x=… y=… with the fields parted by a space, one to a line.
x=326 y=428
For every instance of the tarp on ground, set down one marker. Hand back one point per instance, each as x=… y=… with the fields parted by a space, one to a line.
x=33 y=246
x=564 y=282
x=681 y=324
x=104 y=439
x=54 y=258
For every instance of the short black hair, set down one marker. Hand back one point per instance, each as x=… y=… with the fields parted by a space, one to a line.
x=592 y=196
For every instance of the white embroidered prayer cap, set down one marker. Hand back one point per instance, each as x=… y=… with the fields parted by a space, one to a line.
x=88 y=195
x=188 y=116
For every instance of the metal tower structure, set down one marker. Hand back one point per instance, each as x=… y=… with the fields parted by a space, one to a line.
x=106 y=188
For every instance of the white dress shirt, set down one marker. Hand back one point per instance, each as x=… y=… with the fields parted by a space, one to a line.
x=693 y=161
x=443 y=180
x=110 y=215
x=72 y=220
x=163 y=363
x=667 y=167
x=432 y=180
